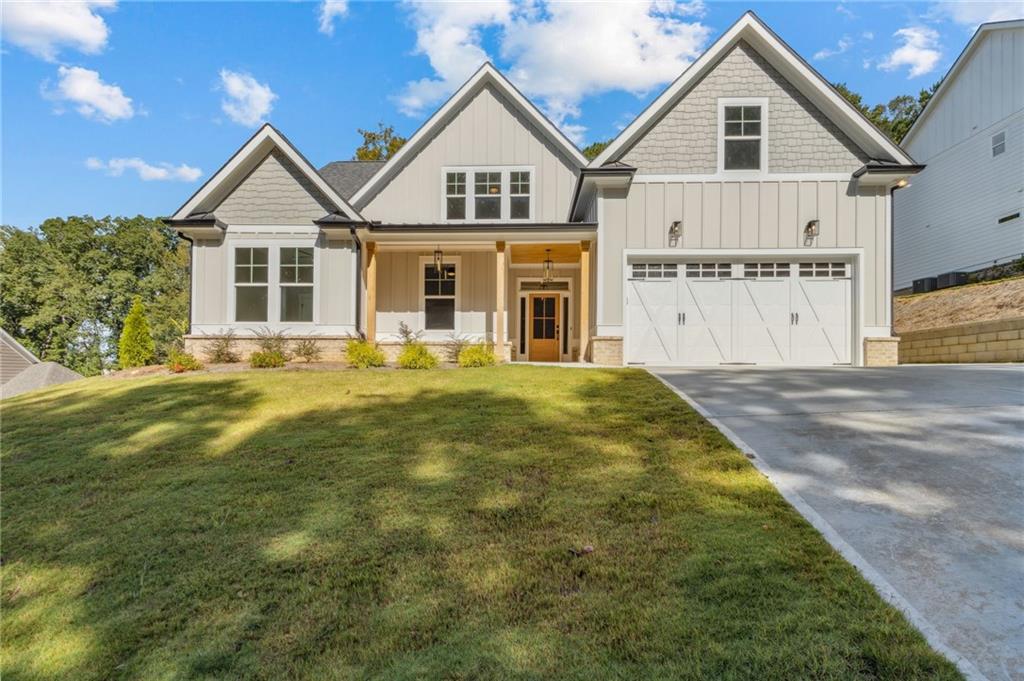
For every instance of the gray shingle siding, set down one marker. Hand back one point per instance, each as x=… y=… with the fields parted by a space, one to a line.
x=347 y=177
x=801 y=139
x=276 y=192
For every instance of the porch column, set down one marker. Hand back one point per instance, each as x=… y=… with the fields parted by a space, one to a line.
x=584 y=299
x=370 y=277
x=499 y=303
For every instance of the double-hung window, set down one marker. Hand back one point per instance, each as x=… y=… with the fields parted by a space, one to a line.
x=439 y=296
x=493 y=194
x=251 y=285
x=998 y=143
x=742 y=128
x=296 y=284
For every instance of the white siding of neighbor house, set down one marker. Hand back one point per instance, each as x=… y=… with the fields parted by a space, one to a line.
x=947 y=219
x=488 y=131
x=745 y=215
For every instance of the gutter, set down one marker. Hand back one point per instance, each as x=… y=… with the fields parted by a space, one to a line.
x=359 y=280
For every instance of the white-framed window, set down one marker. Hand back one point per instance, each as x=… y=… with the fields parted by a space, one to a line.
x=296 y=282
x=655 y=270
x=998 y=143
x=766 y=270
x=251 y=284
x=488 y=194
x=708 y=270
x=439 y=295
x=743 y=134
x=831 y=270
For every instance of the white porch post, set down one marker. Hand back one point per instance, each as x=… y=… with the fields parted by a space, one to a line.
x=499 y=303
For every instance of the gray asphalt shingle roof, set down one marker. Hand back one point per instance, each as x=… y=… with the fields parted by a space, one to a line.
x=348 y=176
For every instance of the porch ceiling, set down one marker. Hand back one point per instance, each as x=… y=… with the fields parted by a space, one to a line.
x=537 y=253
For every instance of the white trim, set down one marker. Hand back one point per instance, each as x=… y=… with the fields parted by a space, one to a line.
x=486 y=74
x=877 y=332
x=521 y=294
x=730 y=176
x=599 y=266
x=273 y=247
x=421 y=316
x=763 y=166
x=248 y=329
x=506 y=193
x=749 y=27
x=854 y=256
x=258 y=146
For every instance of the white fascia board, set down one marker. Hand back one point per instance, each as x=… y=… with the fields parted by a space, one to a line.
x=487 y=73
x=259 y=144
x=809 y=81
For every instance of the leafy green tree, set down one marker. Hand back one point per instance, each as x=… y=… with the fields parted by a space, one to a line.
x=379 y=145
x=136 y=347
x=895 y=118
x=593 y=150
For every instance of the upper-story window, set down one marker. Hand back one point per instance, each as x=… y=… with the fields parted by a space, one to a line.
x=998 y=143
x=488 y=194
x=742 y=128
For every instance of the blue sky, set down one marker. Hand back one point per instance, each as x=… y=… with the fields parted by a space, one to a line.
x=125 y=108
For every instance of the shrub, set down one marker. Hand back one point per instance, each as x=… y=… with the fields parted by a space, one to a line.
x=477 y=355
x=407 y=335
x=416 y=356
x=221 y=350
x=266 y=360
x=308 y=349
x=136 y=347
x=454 y=346
x=272 y=341
x=179 y=362
x=362 y=354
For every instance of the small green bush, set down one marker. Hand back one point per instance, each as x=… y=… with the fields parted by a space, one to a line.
x=179 y=362
x=272 y=341
x=135 y=347
x=308 y=349
x=477 y=355
x=454 y=346
x=362 y=354
x=416 y=356
x=266 y=360
x=221 y=350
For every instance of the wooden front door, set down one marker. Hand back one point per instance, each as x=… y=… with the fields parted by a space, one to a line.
x=544 y=327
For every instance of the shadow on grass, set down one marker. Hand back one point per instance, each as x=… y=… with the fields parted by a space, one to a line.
x=414 y=526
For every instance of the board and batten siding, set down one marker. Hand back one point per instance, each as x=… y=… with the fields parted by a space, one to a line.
x=745 y=215
x=487 y=131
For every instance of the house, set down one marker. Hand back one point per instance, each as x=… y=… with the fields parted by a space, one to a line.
x=744 y=217
x=22 y=372
x=14 y=357
x=964 y=212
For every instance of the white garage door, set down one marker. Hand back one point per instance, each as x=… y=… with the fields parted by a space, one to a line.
x=743 y=313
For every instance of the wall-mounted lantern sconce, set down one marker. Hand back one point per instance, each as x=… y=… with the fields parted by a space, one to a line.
x=675 y=230
x=811 y=229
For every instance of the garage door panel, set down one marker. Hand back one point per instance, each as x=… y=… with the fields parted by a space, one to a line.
x=705 y=335
x=762 y=321
x=653 y=328
x=821 y=332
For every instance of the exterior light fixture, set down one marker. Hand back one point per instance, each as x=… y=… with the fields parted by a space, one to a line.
x=675 y=230
x=439 y=262
x=901 y=183
x=811 y=229
x=549 y=267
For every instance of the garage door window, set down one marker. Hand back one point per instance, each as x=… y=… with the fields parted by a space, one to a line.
x=655 y=271
x=708 y=270
x=823 y=269
x=766 y=270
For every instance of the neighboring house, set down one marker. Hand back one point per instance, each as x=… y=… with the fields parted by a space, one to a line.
x=22 y=372
x=744 y=217
x=964 y=212
x=14 y=358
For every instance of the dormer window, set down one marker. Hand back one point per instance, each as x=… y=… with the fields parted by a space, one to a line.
x=496 y=194
x=742 y=128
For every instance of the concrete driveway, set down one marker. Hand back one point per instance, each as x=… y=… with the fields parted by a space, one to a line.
x=918 y=469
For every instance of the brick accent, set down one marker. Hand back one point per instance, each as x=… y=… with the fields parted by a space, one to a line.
x=332 y=348
x=881 y=352
x=996 y=341
x=606 y=350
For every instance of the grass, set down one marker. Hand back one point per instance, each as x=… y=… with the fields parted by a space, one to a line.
x=407 y=525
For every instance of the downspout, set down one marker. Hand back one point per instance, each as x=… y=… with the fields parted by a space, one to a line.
x=892 y=259
x=359 y=280
x=191 y=291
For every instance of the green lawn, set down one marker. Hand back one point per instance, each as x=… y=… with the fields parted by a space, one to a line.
x=408 y=525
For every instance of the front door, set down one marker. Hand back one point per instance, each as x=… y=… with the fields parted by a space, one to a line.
x=544 y=327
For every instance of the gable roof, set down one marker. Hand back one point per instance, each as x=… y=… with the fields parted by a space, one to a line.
x=11 y=342
x=348 y=176
x=957 y=67
x=242 y=162
x=487 y=74
x=819 y=91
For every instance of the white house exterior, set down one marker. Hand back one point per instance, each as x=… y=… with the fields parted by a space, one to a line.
x=964 y=211
x=744 y=217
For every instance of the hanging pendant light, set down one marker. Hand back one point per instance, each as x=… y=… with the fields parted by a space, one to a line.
x=549 y=267
x=439 y=262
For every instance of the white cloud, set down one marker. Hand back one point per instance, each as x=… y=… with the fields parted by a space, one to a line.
x=116 y=167
x=43 y=28
x=247 y=101
x=844 y=44
x=845 y=11
x=971 y=14
x=329 y=11
x=918 y=51
x=90 y=96
x=597 y=47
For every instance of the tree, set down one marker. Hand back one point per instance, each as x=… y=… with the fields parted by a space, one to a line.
x=379 y=145
x=594 y=150
x=136 y=347
x=895 y=118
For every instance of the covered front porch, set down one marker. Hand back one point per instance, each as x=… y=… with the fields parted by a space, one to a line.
x=527 y=291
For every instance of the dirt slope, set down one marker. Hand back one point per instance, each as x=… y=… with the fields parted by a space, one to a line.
x=986 y=301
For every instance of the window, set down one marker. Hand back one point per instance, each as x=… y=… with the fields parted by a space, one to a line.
x=439 y=297
x=742 y=132
x=455 y=195
x=655 y=271
x=998 y=143
x=766 y=270
x=251 y=268
x=822 y=269
x=487 y=196
x=708 y=270
x=296 y=284
x=519 y=195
